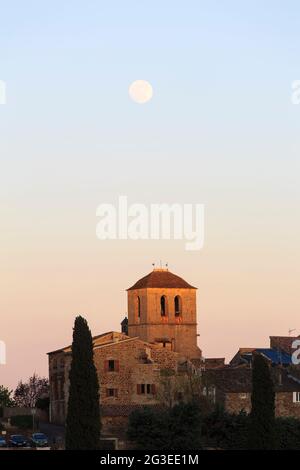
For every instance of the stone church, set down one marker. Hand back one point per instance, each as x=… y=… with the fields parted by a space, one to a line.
x=159 y=334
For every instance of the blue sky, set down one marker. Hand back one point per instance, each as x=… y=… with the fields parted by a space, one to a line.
x=218 y=69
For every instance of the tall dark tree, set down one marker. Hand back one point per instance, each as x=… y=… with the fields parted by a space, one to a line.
x=83 y=417
x=262 y=433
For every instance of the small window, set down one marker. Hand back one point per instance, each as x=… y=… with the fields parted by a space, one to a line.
x=296 y=397
x=163 y=306
x=138 y=300
x=111 y=366
x=177 y=306
x=111 y=392
x=146 y=389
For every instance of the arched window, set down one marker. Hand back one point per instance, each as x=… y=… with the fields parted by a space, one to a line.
x=163 y=306
x=138 y=305
x=178 y=306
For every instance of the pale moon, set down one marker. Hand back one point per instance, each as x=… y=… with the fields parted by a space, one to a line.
x=140 y=91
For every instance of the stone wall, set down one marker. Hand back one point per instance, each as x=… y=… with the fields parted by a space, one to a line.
x=179 y=331
x=284 y=405
x=236 y=402
x=40 y=415
x=138 y=363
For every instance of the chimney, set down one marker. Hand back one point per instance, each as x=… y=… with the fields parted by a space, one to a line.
x=124 y=326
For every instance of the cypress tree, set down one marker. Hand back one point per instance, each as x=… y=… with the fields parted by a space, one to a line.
x=262 y=416
x=83 y=416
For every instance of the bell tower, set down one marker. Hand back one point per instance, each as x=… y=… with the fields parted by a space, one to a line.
x=162 y=310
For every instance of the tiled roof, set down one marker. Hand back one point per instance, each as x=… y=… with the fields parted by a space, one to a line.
x=104 y=338
x=229 y=379
x=161 y=278
x=284 y=343
x=214 y=362
x=239 y=380
x=275 y=356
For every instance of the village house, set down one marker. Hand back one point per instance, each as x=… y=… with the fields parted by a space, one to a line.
x=231 y=385
x=160 y=334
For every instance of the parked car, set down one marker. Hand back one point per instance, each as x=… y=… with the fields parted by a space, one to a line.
x=39 y=439
x=17 y=440
x=3 y=442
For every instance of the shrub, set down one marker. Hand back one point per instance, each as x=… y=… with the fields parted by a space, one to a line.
x=177 y=428
x=288 y=433
x=224 y=430
x=147 y=427
x=22 y=421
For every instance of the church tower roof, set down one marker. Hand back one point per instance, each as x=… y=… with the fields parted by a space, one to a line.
x=161 y=278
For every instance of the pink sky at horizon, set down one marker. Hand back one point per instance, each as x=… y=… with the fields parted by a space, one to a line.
x=247 y=290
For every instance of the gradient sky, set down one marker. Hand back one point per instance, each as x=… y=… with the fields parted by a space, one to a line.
x=220 y=130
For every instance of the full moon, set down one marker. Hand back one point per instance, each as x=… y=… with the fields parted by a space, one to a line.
x=140 y=91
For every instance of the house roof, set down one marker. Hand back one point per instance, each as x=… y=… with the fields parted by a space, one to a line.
x=275 y=356
x=114 y=338
x=229 y=379
x=99 y=340
x=239 y=380
x=161 y=278
x=214 y=362
x=284 y=343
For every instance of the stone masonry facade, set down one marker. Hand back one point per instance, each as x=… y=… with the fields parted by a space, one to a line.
x=128 y=371
x=161 y=334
